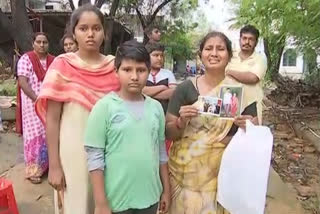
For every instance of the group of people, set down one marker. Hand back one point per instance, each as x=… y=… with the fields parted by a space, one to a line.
x=100 y=123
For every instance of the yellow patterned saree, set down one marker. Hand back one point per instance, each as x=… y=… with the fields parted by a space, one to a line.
x=194 y=162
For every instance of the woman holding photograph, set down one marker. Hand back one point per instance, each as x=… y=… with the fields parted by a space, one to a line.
x=200 y=139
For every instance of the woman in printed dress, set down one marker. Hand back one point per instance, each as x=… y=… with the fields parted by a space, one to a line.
x=200 y=139
x=32 y=68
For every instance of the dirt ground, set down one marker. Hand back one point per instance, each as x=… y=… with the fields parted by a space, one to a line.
x=293 y=182
x=38 y=199
x=296 y=157
x=31 y=199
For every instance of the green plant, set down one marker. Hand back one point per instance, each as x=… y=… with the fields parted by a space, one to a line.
x=8 y=88
x=313 y=78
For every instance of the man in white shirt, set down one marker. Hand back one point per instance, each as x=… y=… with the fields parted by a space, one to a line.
x=227 y=101
x=248 y=66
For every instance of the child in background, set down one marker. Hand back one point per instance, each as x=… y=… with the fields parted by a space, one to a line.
x=125 y=142
x=161 y=82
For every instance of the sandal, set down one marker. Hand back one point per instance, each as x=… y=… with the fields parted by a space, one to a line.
x=35 y=180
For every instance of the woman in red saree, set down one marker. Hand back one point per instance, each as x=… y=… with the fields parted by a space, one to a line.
x=32 y=68
x=74 y=83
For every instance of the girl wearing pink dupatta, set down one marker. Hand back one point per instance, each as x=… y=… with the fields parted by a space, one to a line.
x=74 y=82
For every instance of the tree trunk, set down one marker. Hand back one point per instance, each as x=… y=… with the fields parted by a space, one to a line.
x=278 y=50
x=22 y=29
x=180 y=66
x=273 y=48
x=108 y=26
x=114 y=8
x=145 y=37
x=71 y=5
x=267 y=51
x=310 y=61
x=19 y=29
x=6 y=52
x=99 y=3
x=83 y=2
x=6 y=25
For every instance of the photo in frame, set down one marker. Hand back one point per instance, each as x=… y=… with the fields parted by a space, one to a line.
x=231 y=97
x=210 y=105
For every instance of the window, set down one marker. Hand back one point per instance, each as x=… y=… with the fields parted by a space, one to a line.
x=36 y=4
x=289 y=58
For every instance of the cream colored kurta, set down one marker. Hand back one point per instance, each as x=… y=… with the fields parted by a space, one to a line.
x=256 y=65
x=78 y=198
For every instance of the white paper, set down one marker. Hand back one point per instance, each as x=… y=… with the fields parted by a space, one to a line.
x=244 y=170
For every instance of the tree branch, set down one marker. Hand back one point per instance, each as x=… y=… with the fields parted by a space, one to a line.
x=141 y=18
x=83 y=2
x=114 y=8
x=99 y=3
x=71 y=5
x=153 y=16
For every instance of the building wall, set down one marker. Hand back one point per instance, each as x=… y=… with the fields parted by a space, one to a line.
x=294 y=72
x=5 y=5
x=36 y=4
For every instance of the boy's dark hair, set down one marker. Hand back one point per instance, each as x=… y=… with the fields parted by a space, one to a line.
x=132 y=50
x=154 y=46
x=150 y=28
x=250 y=29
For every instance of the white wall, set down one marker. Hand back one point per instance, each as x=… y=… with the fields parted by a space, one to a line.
x=292 y=69
x=294 y=72
x=5 y=5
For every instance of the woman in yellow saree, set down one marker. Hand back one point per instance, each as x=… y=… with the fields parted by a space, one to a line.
x=200 y=140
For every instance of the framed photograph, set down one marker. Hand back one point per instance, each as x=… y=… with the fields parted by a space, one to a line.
x=210 y=105
x=231 y=101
